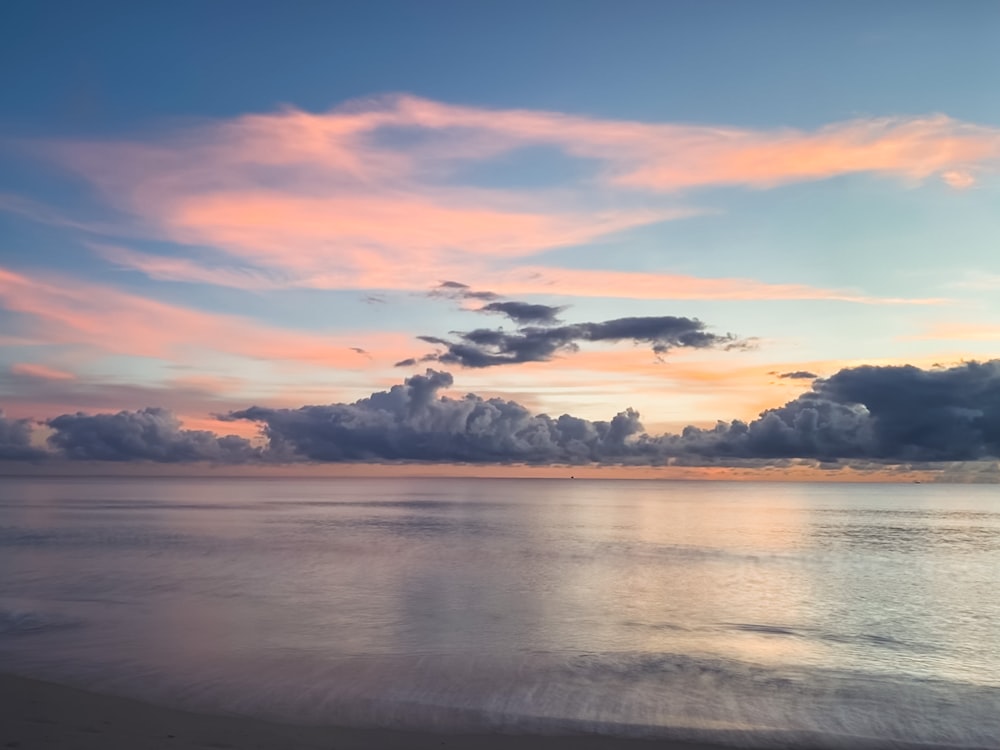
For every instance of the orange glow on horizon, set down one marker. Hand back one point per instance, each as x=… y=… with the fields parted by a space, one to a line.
x=790 y=473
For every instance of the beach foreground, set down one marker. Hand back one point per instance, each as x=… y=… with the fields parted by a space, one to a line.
x=36 y=714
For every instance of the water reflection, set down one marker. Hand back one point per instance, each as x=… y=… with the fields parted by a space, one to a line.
x=185 y=576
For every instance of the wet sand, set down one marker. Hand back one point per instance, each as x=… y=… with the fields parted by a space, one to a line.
x=35 y=714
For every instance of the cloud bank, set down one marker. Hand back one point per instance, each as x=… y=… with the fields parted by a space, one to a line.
x=890 y=414
x=895 y=414
x=411 y=422
x=150 y=434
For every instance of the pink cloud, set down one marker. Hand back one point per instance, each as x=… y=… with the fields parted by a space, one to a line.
x=908 y=148
x=959 y=332
x=959 y=179
x=113 y=321
x=248 y=431
x=171 y=268
x=193 y=398
x=520 y=281
x=371 y=194
x=673 y=157
x=40 y=372
x=369 y=235
x=643 y=285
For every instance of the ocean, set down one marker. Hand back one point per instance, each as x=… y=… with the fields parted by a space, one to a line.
x=749 y=614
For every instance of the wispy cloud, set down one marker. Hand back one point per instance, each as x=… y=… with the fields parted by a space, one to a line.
x=798 y=375
x=522 y=280
x=191 y=398
x=653 y=285
x=977 y=280
x=174 y=268
x=672 y=157
x=109 y=320
x=960 y=332
x=376 y=194
x=484 y=347
x=39 y=372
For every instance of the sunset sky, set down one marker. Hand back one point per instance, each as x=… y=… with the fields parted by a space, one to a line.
x=214 y=214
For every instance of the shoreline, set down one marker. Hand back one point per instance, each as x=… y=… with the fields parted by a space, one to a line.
x=39 y=714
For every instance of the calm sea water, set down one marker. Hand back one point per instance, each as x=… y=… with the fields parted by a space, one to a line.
x=751 y=614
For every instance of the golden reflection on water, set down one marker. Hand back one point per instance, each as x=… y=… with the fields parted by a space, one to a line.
x=704 y=572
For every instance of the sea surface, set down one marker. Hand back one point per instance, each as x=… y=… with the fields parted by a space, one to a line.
x=757 y=615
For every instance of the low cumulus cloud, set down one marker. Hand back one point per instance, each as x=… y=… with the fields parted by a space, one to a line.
x=412 y=422
x=894 y=413
x=150 y=434
x=15 y=440
x=860 y=415
x=889 y=414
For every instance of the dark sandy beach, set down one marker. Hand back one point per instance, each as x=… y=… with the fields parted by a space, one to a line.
x=36 y=714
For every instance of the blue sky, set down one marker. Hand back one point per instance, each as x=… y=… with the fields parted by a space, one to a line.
x=208 y=206
x=110 y=65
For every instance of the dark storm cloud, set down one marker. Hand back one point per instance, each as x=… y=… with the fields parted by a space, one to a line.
x=798 y=375
x=524 y=313
x=881 y=414
x=15 y=440
x=897 y=413
x=937 y=414
x=805 y=428
x=411 y=422
x=485 y=347
x=150 y=434
x=864 y=416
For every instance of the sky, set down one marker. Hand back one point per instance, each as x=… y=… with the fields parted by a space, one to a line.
x=715 y=237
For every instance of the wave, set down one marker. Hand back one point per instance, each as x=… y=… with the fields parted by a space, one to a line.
x=658 y=696
x=15 y=622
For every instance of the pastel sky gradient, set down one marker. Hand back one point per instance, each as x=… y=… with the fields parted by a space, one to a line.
x=207 y=207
